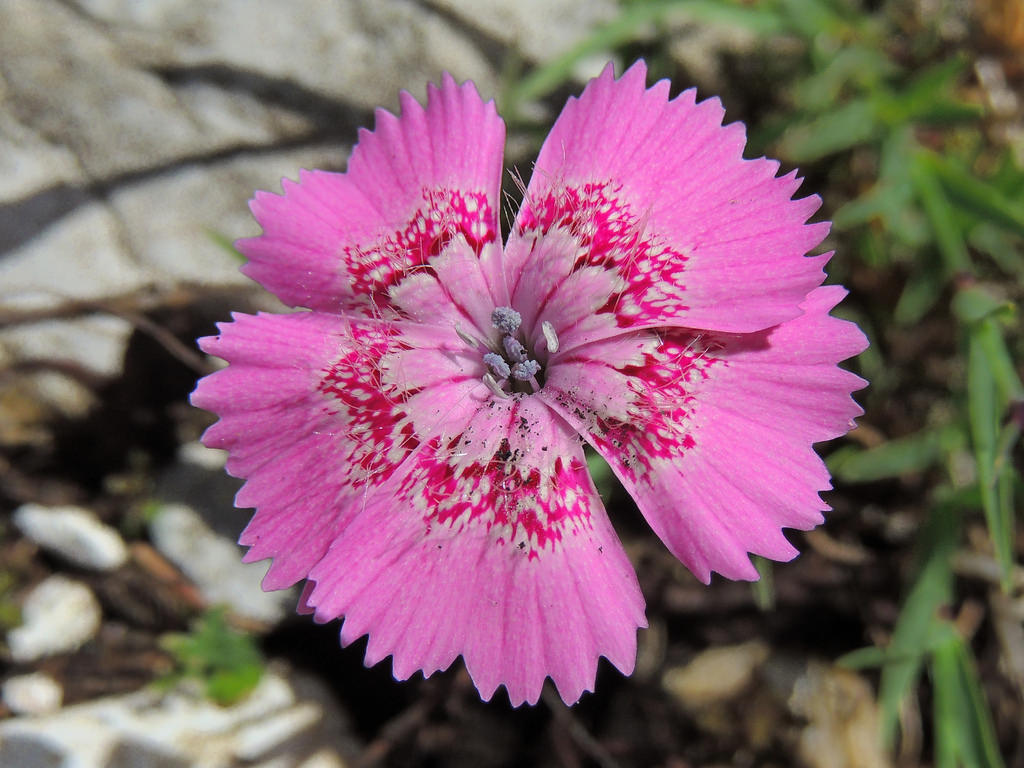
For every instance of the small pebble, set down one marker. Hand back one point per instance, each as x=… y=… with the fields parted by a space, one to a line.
x=201 y=456
x=35 y=694
x=717 y=674
x=58 y=616
x=74 y=534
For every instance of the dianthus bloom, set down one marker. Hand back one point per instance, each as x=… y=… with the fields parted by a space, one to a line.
x=413 y=445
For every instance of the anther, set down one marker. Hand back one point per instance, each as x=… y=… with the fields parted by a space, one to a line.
x=506 y=320
x=497 y=363
x=515 y=351
x=525 y=370
x=549 y=336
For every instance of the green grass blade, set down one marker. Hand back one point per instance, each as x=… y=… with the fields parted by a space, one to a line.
x=932 y=588
x=964 y=734
x=978 y=196
x=894 y=458
x=845 y=126
x=974 y=303
x=983 y=415
x=922 y=291
x=626 y=27
x=939 y=211
x=1004 y=372
x=225 y=243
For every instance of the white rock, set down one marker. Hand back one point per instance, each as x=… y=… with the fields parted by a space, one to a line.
x=214 y=565
x=539 y=29
x=58 y=616
x=352 y=49
x=260 y=738
x=35 y=694
x=198 y=200
x=325 y=758
x=40 y=275
x=178 y=728
x=199 y=455
x=74 y=534
x=29 y=163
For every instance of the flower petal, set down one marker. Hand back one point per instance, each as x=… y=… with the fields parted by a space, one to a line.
x=659 y=191
x=496 y=547
x=716 y=442
x=453 y=292
x=311 y=414
x=335 y=241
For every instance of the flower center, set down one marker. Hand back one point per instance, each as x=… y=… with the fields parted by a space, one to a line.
x=511 y=368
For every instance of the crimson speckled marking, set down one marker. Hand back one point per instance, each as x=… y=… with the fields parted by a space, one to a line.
x=613 y=235
x=379 y=433
x=444 y=214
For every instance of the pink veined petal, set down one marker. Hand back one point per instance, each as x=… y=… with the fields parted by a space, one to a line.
x=339 y=241
x=311 y=413
x=494 y=546
x=716 y=445
x=551 y=287
x=658 y=190
x=454 y=292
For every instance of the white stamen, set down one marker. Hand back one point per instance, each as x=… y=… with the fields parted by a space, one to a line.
x=494 y=386
x=473 y=342
x=549 y=336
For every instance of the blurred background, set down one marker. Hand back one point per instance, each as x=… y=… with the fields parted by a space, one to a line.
x=133 y=132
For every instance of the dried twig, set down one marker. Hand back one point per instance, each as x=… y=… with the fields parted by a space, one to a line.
x=395 y=731
x=583 y=738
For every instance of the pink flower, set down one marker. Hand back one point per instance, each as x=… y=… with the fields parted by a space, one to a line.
x=413 y=445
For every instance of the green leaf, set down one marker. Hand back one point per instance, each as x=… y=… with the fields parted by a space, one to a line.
x=940 y=215
x=974 y=303
x=931 y=589
x=983 y=416
x=978 y=196
x=922 y=291
x=892 y=199
x=845 y=126
x=815 y=20
x=227 y=686
x=928 y=98
x=227 y=662
x=226 y=244
x=872 y=656
x=914 y=453
x=1002 y=247
x=863 y=658
x=1000 y=362
x=964 y=734
x=628 y=26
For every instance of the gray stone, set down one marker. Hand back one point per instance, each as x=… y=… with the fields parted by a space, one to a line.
x=350 y=50
x=214 y=565
x=540 y=30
